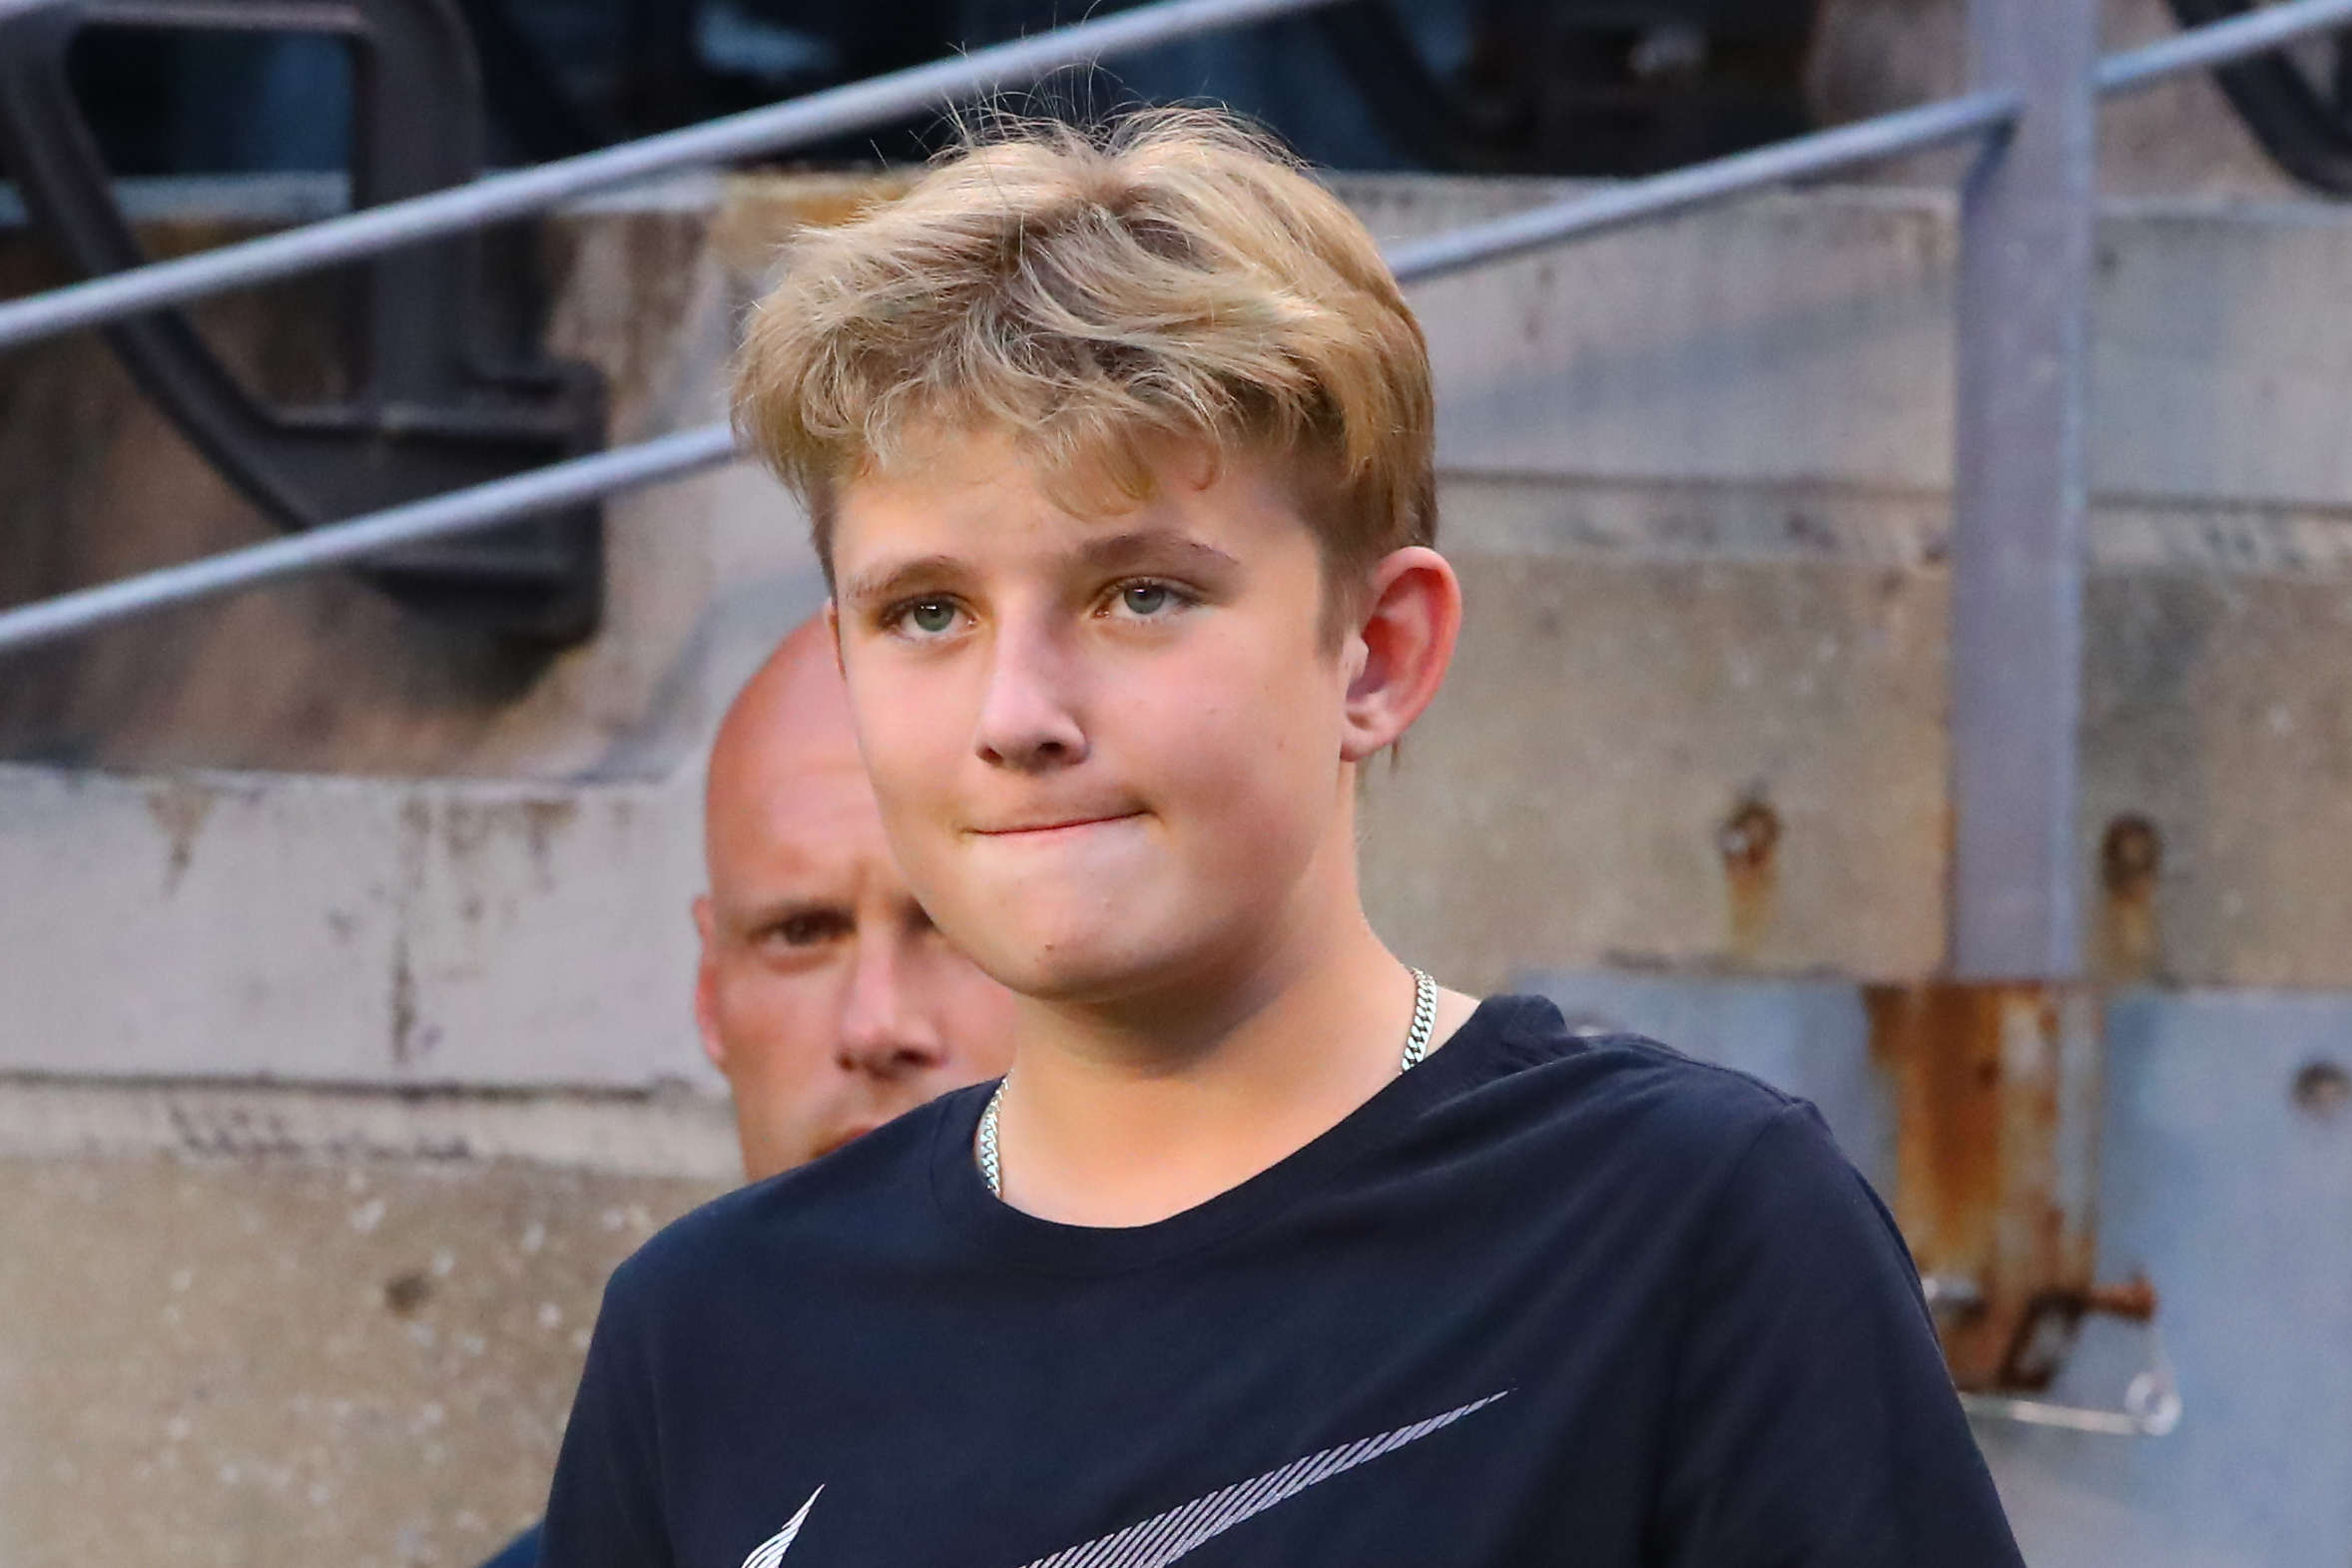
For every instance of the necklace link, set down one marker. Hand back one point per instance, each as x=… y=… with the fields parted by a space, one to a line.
x=1416 y=1050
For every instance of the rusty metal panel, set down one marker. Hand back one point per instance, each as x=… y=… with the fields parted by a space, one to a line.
x=1997 y=1153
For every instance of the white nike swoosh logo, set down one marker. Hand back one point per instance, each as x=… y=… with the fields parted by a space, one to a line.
x=1163 y=1538
x=771 y=1551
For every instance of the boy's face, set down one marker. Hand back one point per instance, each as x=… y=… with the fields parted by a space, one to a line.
x=1109 y=749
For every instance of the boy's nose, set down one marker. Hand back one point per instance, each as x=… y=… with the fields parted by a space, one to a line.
x=1027 y=720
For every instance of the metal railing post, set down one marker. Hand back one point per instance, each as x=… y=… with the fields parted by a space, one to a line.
x=1997 y=1069
x=2029 y=211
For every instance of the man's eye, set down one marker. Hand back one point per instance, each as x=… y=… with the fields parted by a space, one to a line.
x=929 y=617
x=810 y=929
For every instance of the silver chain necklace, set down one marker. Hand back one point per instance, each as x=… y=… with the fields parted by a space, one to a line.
x=1417 y=1047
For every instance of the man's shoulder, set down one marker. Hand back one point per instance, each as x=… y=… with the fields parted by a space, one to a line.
x=868 y=1198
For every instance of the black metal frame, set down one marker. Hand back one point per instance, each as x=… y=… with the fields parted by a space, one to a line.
x=2304 y=126
x=429 y=416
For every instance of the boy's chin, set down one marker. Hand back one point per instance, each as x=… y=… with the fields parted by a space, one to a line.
x=1069 y=968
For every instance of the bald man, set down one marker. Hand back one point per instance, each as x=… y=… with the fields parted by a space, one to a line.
x=825 y=995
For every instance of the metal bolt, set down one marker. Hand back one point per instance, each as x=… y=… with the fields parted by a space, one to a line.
x=2322 y=1089
x=1749 y=835
x=1671 y=49
x=2131 y=856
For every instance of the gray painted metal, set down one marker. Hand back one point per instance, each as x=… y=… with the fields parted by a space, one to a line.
x=2222 y=42
x=876 y=100
x=2020 y=493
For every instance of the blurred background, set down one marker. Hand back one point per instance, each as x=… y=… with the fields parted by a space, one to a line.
x=346 y=966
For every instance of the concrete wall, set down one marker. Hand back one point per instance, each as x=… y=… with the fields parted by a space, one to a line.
x=1695 y=477
x=276 y=1329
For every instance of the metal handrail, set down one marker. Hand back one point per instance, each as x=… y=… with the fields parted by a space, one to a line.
x=2220 y=43
x=797 y=122
x=1702 y=185
x=859 y=106
x=692 y=451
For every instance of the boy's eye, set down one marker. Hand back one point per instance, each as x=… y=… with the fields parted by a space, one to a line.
x=1150 y=600
x=929 y=617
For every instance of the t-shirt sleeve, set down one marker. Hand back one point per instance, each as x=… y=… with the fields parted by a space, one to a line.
x=605 y=1509
x=1813 y=1423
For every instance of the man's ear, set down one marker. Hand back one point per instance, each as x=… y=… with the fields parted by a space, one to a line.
x=1399 y=649
x=706 y=985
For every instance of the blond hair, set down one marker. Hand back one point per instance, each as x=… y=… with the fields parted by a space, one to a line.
x=1087 y=293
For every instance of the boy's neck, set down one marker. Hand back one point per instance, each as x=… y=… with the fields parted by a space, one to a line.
x=1111 y=1119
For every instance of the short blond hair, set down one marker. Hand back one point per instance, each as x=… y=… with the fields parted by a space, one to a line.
x=1091 y=292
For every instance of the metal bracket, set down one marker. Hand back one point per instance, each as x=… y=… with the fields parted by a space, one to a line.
x=431 y=415
x=2151 y=1400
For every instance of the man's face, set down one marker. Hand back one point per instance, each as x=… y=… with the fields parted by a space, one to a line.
x=825 y=995
x=1108 y=749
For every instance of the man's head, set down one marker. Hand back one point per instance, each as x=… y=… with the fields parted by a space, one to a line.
x=825 y=995
x=1119 y=451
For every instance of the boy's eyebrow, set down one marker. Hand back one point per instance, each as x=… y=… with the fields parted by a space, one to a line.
x=1132 y=547
x=1139 y=545
x=924 y=571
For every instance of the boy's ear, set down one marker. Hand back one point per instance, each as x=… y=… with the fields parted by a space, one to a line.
x=1397 y=651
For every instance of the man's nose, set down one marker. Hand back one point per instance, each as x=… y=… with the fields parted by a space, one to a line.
x=1028 y=721
x=883 y=1032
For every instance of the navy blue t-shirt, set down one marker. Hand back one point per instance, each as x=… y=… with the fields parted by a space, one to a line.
x=1543 y=1300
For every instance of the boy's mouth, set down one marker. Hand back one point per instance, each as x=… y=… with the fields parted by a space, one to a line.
x=1054 y=825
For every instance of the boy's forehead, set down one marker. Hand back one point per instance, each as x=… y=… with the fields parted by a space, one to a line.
x=978 y=501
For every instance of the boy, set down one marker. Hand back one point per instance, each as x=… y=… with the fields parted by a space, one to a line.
x=1266 y=1252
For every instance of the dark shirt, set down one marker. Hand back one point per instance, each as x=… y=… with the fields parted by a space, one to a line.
x=1543 y=1300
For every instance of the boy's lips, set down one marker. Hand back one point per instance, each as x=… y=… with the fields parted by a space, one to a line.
x=1054 y=825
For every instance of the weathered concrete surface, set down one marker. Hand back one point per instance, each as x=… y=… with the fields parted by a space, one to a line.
x=1807 y=339
x=1613 y=708
x=671 y=1134
x=1695 y=477
x=278 y=1363
x=1631 y=739
x=334 y=928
